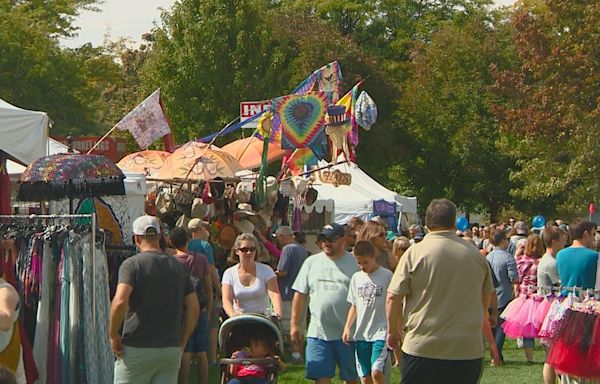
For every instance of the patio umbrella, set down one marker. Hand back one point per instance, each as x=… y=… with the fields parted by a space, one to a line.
x=147 y=162
x=196 y=161
x=69 y=175
x=248 y=152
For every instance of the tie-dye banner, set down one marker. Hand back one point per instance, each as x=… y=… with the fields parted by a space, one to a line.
x=302 y=119
x=299 y=158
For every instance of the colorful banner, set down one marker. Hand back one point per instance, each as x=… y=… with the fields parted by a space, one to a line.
x=146 y=122
x=300 y=158
x=330 y=81
x=302 y=119
x=349 y=101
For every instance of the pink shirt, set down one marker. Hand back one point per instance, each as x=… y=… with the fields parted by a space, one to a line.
x=250 y=370
x=527 y=268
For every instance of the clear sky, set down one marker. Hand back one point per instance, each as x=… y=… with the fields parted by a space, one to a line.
x=129 y=18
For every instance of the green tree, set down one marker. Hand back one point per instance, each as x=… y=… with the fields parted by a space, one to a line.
x=549 y=105
x=452 y=133
x=36 y=73
x=208 y=56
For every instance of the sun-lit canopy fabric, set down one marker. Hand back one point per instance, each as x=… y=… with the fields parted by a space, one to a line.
x=24 y=133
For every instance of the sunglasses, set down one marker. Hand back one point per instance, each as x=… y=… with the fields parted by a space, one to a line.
x=328 y=239
x=247 y=249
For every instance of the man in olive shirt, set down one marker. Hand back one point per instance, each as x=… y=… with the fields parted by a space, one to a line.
x=447 y=286
x=152 y=292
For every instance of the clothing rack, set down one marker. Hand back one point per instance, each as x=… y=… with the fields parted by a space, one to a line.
x=120 y=247
x=562 y=288
x=91 y=216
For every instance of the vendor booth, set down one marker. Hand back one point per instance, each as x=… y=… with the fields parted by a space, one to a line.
x=15 y=170
x=24 y=133
x=24 y=138
x=364 y=198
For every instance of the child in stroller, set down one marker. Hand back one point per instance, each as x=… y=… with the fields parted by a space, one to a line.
x=254 y=344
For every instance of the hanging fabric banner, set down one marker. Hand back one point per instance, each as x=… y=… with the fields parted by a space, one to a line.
x=305 y=86
x=330 y=81
x=146 y=122
x=302 y=119
x=300 y=158
x=349 y=101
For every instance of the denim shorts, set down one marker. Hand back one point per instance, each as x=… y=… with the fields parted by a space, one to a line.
x=322 y=357
x=198 y=341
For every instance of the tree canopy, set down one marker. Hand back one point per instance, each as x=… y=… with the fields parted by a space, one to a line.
x=496 y=109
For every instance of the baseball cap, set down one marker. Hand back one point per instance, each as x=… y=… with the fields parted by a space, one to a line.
x=146 y=225
x=521 y=228
x=196 y=223
x=332 y=230
x=284 y=230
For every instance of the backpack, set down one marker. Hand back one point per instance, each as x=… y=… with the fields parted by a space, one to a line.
x=198 y=284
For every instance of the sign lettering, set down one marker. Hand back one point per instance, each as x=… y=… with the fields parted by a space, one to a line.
x=336 y=178
x=251 y=108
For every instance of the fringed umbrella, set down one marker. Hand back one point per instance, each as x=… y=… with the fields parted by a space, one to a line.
x=69 y=175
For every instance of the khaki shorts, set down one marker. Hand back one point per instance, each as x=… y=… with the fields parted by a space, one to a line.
x=287 y=317
x=147 y=365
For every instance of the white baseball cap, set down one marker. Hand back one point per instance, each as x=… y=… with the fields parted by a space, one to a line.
x=146 y=225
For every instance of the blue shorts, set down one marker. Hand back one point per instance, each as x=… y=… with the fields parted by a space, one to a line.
x=198 y=341
x=370 y=356
x=322 y=357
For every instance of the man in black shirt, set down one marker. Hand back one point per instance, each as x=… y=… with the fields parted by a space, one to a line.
x=152 y=292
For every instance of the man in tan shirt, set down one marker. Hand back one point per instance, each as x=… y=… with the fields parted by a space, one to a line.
x=437 y=300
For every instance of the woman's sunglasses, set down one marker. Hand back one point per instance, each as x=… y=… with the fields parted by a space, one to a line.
x=247 y=249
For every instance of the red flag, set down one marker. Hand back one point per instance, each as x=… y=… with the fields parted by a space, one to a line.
x=592 y=208
x=146 y=122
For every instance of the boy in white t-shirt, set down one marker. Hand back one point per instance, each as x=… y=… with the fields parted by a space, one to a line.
x=367 y=295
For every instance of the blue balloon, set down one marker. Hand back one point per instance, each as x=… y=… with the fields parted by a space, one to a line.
x=538 y=221
x=462 y=223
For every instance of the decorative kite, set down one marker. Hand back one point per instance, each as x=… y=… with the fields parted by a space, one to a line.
x=302 y=119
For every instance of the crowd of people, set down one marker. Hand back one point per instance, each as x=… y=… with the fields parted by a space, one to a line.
x=369 y=297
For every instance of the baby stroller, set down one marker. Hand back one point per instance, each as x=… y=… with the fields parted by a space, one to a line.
x=234 y=335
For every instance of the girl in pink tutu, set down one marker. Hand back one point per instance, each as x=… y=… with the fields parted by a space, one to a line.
x=527 y=267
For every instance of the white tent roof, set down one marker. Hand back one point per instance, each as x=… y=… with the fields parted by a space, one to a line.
x=356 y=199
x=24 y=133
x=52 y=148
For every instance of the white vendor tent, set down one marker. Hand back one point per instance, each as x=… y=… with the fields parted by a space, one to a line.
x=24 y=133
x=52 y=147
x=356 y=199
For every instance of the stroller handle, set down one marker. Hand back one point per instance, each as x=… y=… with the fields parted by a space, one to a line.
x=268 y=361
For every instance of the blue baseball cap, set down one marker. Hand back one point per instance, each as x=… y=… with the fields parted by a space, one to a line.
x=332 y=230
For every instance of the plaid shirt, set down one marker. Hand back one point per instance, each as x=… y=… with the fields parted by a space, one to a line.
x=527 y=268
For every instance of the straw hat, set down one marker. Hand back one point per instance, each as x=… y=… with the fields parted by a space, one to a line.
x=245 y=209
x=244 y=226
x=227 y=235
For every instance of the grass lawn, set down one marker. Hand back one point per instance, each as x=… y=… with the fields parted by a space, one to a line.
x=514 y=372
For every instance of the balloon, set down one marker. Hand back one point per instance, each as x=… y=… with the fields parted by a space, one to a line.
x=462 y=223
x=538 y=221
